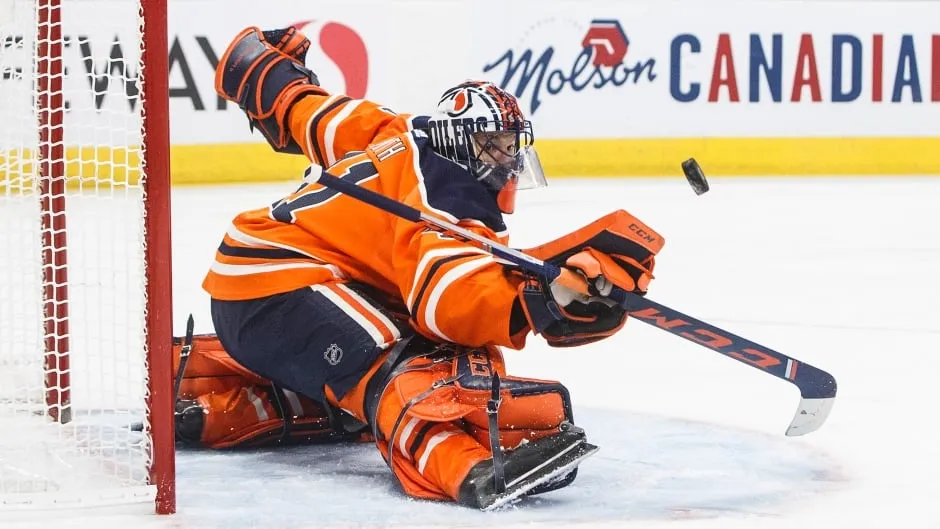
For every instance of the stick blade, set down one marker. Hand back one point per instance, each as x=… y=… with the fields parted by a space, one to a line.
x=810 y=415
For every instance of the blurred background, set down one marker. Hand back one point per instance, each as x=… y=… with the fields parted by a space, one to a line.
x=614 y=88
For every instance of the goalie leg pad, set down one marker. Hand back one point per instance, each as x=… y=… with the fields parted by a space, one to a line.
x=430 y=421
x=222 y=405
x=254 y=416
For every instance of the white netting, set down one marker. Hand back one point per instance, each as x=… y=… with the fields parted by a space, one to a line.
x=103 y=389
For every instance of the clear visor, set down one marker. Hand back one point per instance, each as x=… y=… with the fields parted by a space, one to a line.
x=528 y=169
x=501 y=160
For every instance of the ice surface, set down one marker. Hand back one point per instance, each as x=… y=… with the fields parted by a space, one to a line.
x=840 y=273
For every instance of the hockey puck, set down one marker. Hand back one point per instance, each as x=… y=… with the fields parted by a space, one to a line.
x=695 y=176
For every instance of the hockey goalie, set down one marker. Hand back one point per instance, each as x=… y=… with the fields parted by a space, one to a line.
x=382 y=329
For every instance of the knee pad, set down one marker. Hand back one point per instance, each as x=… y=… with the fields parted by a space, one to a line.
x=443 y=382
x=528 y=408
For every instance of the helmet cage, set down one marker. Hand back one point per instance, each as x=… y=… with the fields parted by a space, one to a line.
x=495 y=163
x=480 y=127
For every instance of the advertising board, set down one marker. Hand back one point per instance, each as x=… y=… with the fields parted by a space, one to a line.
x=767 y=87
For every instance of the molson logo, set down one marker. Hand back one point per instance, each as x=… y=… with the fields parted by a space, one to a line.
x=602 y=62
x=729 y=67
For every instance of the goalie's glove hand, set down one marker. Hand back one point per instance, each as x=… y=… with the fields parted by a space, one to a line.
x=265 y=83
x=574 y=308
x=290 y=42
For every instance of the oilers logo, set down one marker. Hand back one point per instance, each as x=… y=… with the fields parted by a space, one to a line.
x=472 y=107
x=459 y=102
x=455 y=118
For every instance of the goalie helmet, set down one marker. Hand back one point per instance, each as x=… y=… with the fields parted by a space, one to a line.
x=480 y=127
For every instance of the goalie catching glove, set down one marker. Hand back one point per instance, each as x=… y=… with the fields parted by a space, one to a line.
x=574 y=309
x=263 y=72
x=290 y=42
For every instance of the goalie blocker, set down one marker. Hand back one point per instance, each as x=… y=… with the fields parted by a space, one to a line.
x=574 y=309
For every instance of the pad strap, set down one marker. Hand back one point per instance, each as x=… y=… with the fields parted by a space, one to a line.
x=380 y=380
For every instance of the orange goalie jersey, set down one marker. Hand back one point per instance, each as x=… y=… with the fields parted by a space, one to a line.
x=317 y=235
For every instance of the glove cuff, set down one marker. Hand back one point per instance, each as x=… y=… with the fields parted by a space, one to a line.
x=540 y=309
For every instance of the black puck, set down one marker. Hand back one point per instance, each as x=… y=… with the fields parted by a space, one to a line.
x=695 y=176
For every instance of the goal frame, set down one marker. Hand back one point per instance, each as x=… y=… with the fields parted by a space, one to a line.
x=158 y=256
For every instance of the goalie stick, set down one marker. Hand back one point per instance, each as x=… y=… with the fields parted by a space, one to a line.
x=817 y=387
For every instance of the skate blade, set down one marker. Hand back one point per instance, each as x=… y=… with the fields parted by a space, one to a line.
x=567 y=461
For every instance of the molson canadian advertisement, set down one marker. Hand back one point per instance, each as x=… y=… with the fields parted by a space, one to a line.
x=627 y=88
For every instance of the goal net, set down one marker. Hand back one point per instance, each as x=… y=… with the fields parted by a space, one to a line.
x=85 y=315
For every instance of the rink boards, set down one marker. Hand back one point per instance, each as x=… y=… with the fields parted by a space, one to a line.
x=770 y=87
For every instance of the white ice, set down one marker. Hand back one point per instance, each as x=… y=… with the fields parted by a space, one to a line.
x=840 y=273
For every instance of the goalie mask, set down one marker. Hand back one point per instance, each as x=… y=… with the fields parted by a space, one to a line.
x=480 y=127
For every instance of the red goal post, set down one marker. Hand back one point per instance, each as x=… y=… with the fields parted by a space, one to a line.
x=86 y=404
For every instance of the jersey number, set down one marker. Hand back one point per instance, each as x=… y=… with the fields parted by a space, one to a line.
x=285 y=210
